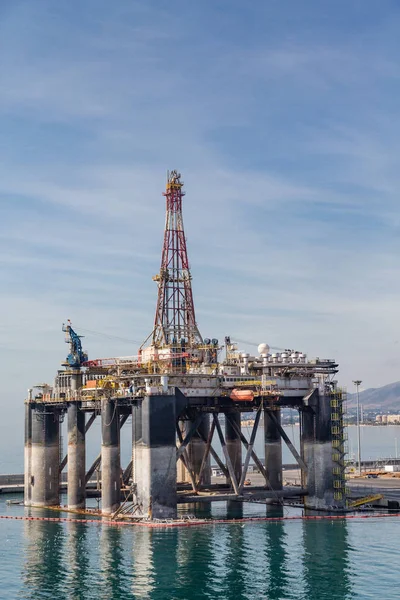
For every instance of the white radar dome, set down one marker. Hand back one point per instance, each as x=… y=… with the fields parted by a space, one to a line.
x=263 y=349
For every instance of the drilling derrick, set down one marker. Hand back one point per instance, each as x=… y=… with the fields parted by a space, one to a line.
x=175 y=322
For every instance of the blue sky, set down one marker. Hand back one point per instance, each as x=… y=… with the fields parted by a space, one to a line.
x=282 y=118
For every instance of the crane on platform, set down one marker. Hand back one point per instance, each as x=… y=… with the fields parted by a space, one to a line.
x=76 y=356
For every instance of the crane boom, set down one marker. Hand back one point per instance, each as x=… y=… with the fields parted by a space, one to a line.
x=76 y=356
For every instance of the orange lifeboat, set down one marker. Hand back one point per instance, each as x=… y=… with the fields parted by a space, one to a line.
x=90 y=384
x=242 y=395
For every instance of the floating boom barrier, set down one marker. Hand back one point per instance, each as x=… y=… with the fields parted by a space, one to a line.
x=197 y=522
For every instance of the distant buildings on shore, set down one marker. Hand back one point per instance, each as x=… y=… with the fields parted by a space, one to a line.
x=367 y=417
x=387 y=419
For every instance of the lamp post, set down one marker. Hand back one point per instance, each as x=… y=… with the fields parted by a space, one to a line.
x=357 y=383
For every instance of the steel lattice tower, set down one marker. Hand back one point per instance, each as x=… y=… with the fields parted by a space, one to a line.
x=175 y=321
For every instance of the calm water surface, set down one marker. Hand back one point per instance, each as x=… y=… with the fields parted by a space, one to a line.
x=281 y=560
x=272 y=561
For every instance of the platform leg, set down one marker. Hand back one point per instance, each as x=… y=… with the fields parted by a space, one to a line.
x=28 y=455
x=155 y=451
x=233 y=442
x=317 y=450
x=110 y=457
x=45 y=458
x=76 y=457
x=273 y=449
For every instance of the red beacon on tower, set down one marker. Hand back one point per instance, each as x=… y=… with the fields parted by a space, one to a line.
x=176 y=342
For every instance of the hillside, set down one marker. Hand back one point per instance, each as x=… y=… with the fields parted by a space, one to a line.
x=386 y=398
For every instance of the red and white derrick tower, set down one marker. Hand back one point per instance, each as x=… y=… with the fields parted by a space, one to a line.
x=175 y=321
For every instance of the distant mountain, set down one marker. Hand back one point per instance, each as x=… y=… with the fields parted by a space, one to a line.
x=386 y=398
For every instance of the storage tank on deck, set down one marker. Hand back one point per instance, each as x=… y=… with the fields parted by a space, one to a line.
x=245 y=368
x=164 y=383
x=263 y=349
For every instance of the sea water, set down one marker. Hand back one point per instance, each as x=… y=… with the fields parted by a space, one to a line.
x=335 y=560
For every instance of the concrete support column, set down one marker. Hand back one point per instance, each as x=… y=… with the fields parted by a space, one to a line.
x=196 y=449
x=76 y=457
x=234 y=510
x=28 y=454
x=45 y=458
x=274 y=510
x=273 y=449
x=307 y=443
x=136 y=437
x=182 y=474
x=233 y=442
x=156 y=457
x=76 y=381
x=110 y=457
x=316 y=441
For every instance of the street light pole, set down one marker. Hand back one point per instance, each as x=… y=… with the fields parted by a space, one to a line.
x=357 y=383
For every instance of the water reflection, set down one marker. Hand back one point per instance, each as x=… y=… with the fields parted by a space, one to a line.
x=236 y=564
x=43 y=566
x=154 y=573
x=271 y=561
x=194 y=576
x=113 y=576
x=276 y=559
x=77 y=554
x=326 y=560
x=143 y=577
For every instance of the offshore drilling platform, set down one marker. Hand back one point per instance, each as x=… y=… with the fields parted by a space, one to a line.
x=184 y=391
